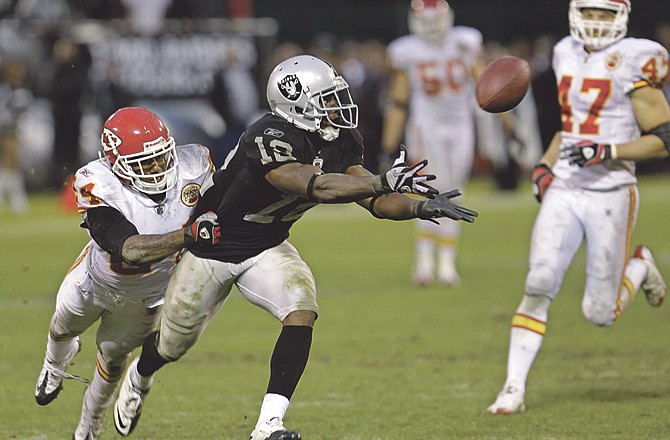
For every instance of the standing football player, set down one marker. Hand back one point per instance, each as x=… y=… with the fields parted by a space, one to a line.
x=306 y=152
x=135 y=201
x=433 y=104
x=609 y=90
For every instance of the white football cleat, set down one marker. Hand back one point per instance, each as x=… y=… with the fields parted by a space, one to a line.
x=89 y=427
x=509 y=401
x=128 y=406
x=653 y=285
x=273 y=430
x=423 y=275
x=50 y=380
x=447 y=275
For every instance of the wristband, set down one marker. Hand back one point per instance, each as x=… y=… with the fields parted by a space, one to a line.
x=310 y=187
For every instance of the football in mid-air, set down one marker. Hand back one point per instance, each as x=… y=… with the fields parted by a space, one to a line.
x=503 y=84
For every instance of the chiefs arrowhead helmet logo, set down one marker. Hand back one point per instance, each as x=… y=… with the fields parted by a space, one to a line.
x=110 y=140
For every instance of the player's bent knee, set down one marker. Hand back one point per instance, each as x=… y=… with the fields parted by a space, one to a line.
x=598 y=314
x=541 y=280
x=173 y=349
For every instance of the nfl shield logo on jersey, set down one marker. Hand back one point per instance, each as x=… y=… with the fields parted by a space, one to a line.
x=290 y=87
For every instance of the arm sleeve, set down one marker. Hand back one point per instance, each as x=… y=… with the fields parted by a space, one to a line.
x=109 y=228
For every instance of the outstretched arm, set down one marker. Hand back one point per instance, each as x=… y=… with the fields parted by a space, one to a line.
x=401 y=207
x=118 y=236
x=307 y=181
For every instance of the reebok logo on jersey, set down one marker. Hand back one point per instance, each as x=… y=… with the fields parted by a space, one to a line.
x=273 y=132
x=290 y=87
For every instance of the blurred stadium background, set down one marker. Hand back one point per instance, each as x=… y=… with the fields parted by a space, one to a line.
x=202 y=64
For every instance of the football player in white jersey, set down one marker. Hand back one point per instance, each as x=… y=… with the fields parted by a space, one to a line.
x=433 y=105
x=613 y=114
x=136 y=201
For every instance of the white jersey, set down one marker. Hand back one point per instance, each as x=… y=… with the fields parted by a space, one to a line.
x=96 y=185
x=441 y=83
x=594 y=95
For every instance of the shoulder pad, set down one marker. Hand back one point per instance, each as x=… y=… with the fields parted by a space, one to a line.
x=93 y=184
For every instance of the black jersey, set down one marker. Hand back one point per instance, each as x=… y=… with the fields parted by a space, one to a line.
x=253 y=214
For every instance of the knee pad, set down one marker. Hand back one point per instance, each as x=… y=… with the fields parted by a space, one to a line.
x=542 y=280
x=536 y=306
x=172 y=346
x=598 y=313
x=58 y=331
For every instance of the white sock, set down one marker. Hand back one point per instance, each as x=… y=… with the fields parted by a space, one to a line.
x=59 y=351
x=274 y=405
x=141 y=382
x=636 y=272
x=447 y=255
x=99 y=395
x=425 y=261
x=524 y=345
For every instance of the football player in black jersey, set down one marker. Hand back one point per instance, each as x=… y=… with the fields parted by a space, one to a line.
x=306 y=152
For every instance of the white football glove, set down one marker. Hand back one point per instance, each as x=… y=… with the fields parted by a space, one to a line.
x=405 y=179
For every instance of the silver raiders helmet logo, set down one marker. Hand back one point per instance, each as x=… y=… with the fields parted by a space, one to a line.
x=290 y=87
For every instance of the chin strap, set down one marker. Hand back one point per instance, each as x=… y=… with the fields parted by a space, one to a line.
x=329 y=134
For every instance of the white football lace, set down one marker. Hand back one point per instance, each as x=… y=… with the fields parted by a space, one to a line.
x=65 y=375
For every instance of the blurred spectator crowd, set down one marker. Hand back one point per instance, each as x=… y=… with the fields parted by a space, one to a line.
x=202 y=66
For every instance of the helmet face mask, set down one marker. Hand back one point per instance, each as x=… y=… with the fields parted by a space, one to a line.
x=430 y=19
x=308 y=93
x=599 y=33
x=140 y=151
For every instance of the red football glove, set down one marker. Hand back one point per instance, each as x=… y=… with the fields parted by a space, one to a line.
x=588 y=153
x=542 y=177
x=204 y=231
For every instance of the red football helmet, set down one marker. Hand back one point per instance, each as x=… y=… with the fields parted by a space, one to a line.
x=138 y=147
x=430 y=19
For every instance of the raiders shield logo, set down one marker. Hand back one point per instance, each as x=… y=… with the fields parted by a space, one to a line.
x=290 y=87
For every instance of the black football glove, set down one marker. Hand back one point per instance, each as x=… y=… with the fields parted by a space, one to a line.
x=588 y=153
x=405 y=179
x=204 y=231
x=542 y=177
x=441 y=206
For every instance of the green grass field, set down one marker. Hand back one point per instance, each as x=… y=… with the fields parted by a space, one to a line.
x=389 y=361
